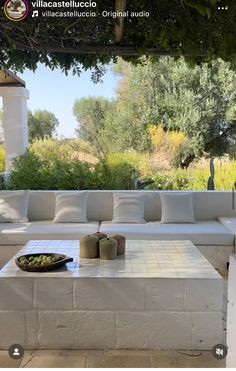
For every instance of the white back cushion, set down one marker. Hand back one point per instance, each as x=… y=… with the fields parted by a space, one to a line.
x=14 y=206
x=99 y=205
x=71 y=207
x=128 y=208
x=208 y=205
x=177 y=208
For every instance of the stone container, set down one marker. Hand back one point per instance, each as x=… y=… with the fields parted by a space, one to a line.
x=89 y=247
x=100 y=235
x=107 y=248
x=120 y=243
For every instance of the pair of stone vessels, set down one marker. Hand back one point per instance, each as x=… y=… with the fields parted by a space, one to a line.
x=99 y=245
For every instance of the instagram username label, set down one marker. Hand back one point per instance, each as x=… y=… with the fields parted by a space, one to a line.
x=17 y=10
x=61 y=9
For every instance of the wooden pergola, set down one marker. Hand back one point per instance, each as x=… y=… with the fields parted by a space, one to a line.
x=115 y=48
x=197 y=31
x=8 y=78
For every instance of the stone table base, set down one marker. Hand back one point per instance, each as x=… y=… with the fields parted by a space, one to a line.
x=135 y=302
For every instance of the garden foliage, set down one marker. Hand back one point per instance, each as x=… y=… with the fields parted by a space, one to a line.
x=193 y=110
x=44 y=168
x=32 y=171
x=2 y=158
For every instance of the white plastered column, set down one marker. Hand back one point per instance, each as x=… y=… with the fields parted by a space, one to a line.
x=15 y=122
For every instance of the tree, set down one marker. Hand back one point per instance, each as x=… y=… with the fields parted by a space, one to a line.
x=125 y=127
x=199 y=102
x=41 y=124
x=1 y=127
x=15 y=4
x=200 y=29
x=91 y=114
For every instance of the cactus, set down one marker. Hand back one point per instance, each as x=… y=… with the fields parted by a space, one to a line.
x=210 y=182
x=212 y=168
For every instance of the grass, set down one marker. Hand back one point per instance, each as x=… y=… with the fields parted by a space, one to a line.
x=225 y=175
x=194 y=178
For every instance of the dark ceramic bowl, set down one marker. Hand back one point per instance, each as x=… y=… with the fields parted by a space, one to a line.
x=61 y=260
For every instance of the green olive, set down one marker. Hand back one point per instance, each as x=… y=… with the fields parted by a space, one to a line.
x=23 y=260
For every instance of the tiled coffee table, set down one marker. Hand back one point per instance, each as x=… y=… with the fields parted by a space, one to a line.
x=161 y=294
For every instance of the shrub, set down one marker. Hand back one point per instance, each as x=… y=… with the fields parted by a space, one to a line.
x=120 y=171
x=171 y=180
x=165 y=142
x=29 y=172
x=2 y=158
x=70 y=174
x=52 y=149
x=131 y=157
x=32 y=172
x=115 y=176
x=2 y=181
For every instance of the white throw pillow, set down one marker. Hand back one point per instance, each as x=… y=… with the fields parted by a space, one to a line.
x=177 y=208
x=128 y=208
x=14 y=206
x=71 y=207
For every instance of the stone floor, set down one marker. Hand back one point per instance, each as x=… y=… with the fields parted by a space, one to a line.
x=112 y=358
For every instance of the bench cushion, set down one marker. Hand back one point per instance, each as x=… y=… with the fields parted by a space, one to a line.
x=201 y=233
x=20 y=233
x=229 y=223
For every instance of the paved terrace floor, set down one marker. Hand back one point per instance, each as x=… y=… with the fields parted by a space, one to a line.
x=112 y=358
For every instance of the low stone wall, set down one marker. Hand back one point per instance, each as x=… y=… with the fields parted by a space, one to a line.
x=110 y=313
x=231 y=318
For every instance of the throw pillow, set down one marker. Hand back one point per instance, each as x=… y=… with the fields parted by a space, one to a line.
x=177 y=208
x=71 y=207
x=14 y=206
x=128 y=208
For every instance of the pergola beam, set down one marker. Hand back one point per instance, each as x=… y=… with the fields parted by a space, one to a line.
x=120 y=6
x=7 y=78
x=106 y=50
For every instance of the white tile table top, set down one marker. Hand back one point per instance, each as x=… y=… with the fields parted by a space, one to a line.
x=143 y=259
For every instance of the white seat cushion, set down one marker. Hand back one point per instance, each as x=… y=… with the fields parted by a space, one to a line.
x=200 y=233
x=20 y=233
x=229 y=223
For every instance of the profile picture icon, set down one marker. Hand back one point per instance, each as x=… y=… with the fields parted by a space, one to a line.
x=16 y=10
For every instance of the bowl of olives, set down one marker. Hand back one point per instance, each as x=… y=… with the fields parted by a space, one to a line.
x=42 y=262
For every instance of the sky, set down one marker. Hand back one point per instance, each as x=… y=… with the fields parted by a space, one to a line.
x=56 y=92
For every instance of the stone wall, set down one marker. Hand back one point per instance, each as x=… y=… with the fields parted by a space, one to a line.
x=110 y=313
x=231 y=319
